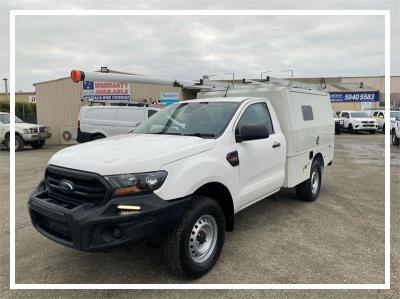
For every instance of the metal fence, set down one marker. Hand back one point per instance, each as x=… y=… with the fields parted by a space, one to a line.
x=25 y=111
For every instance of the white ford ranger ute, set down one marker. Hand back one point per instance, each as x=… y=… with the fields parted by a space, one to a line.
x=182 y=175
x=25 y=133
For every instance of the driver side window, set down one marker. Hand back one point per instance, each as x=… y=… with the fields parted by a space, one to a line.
x=255 y=115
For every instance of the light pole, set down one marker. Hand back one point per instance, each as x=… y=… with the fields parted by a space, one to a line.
x=6 y=87
x=291 y=74
x=233 y=77
x=266 y=72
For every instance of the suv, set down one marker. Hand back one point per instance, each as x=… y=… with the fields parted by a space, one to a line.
x=96 y=122
x=355 y=121
x=25 y=133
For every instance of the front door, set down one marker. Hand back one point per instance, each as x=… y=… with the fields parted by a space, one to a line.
x=262 y=161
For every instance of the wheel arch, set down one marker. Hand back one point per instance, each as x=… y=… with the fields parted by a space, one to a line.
x=222 y=195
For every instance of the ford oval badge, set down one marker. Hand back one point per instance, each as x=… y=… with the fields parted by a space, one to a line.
x=66 y=186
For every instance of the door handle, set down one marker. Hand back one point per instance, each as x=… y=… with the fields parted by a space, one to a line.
x=276 y=144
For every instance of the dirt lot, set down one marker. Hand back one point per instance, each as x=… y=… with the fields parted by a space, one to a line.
x=337 y=239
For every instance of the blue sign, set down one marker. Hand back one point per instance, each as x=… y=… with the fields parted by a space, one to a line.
x=168 y=98
x=357 y=96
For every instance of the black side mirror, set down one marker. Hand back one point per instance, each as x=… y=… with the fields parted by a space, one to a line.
x=252 y=132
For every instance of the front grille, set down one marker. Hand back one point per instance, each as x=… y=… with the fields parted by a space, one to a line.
x=88 y=188
x=367 y=122
x=34 y=130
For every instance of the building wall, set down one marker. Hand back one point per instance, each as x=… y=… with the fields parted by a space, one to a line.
x=351 y=106
x=20 y=97
x=57 y=105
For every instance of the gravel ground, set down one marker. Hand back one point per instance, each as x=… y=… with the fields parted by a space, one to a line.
x=337 y=239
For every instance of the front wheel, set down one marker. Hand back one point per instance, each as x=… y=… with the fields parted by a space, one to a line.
x=194 y=247
x=351 y=130
x=19 y=143
x=38 y=144
x=309 y=189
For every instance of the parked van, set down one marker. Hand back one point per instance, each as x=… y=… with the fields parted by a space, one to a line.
x=96 y=122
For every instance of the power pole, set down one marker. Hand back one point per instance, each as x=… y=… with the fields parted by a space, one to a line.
x=6 y=87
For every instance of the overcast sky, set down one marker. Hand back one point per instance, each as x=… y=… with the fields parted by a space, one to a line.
x=49 y=47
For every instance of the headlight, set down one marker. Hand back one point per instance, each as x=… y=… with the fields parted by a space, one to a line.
x=26 y=131
x=136 y=183
x=357 y=121
x=341 y=122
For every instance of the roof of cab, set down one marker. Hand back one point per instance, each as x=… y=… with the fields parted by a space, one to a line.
x=221 y=99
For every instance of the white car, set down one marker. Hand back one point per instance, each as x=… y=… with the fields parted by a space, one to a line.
x=96 y=122
x=355 y=121
x=395 y=127
x=184 y=173
x=379 y=116
x=25 y=133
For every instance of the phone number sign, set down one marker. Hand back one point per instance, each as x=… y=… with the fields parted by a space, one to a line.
x=359 y=96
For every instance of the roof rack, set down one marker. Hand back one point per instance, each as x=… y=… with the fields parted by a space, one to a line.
x=199 y=85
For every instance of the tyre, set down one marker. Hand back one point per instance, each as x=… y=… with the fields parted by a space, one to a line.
x=339 y=131
x=383 y=128
x=98 y=136
x=309 y=189
x=351 y=130
x=38 y=144
x=19 y=143
x=395 y=140
x=372 y=132
x=195 y=245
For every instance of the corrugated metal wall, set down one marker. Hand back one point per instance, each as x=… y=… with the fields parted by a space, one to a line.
x=57 y=105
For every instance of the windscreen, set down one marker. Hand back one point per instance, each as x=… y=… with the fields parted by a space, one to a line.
x=5 y=119
x=359 y=114
x=202 y=119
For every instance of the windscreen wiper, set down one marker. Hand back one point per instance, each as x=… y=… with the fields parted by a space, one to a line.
x=201 y=135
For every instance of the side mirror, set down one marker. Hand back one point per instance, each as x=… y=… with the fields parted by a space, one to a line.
x=252 y=132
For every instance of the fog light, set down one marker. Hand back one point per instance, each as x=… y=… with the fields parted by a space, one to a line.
x=128 y=210
x=117 y=233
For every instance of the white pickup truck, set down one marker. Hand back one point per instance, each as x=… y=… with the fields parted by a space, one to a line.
x=395 y=127
x=356 y=121
x=182 y=175
x=25 y=133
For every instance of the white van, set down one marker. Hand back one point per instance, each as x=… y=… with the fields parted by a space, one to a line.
x=96 y=122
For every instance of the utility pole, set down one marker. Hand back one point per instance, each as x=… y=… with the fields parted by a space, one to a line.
x=6 y=87
x=291 y=74
x=233 y=77
x=266 y=72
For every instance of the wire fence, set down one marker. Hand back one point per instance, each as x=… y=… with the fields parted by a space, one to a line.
x=25 y=111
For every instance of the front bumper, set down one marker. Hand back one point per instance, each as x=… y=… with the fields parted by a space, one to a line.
x=102 y=228
x=36 y=136
x=365 y=127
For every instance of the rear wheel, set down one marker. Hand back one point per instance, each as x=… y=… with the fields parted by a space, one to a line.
x=395 y=140
x=194 y=247
x=309 y=189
